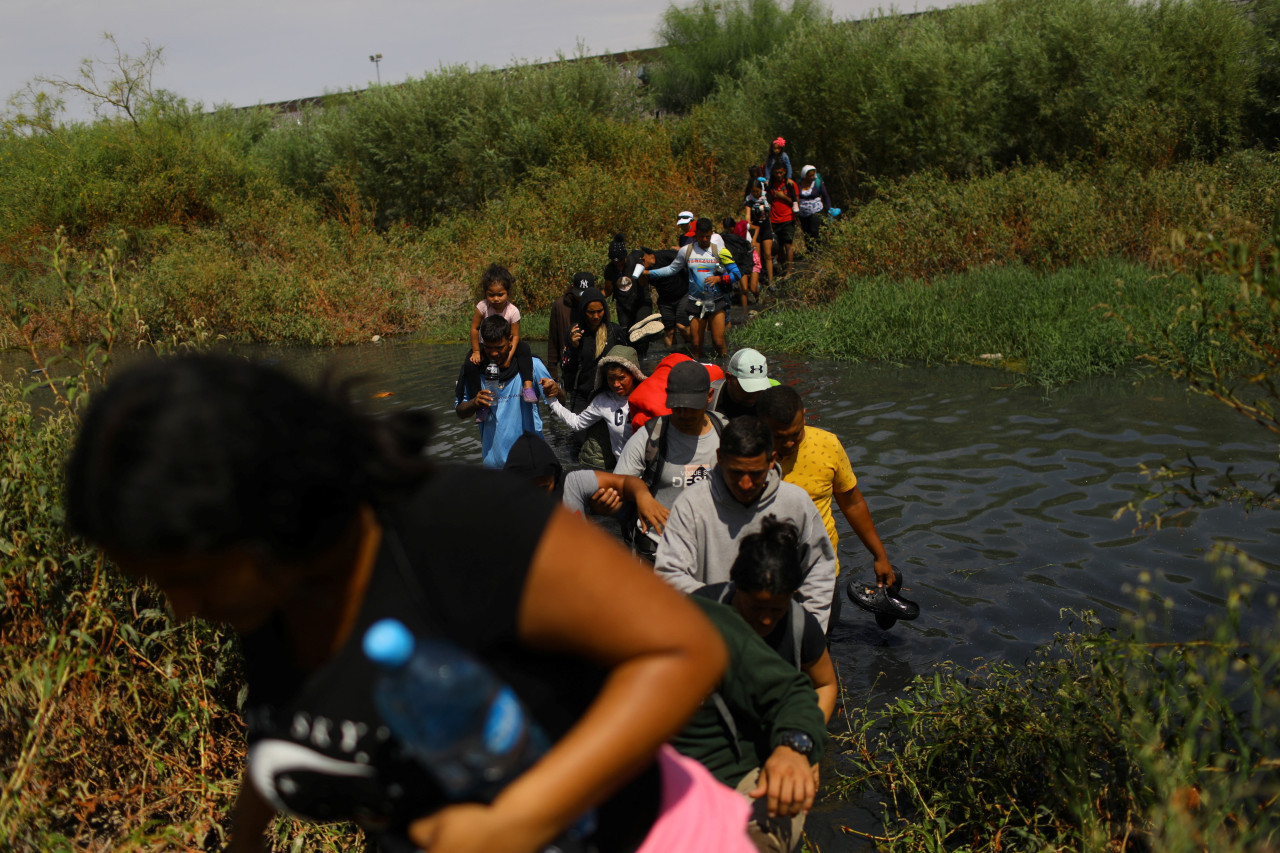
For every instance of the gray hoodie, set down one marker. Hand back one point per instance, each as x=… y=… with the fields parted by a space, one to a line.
x=700 y=541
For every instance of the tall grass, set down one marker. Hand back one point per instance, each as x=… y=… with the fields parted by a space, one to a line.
x=1102 y=741
x=1052 y=327
x=119 y=728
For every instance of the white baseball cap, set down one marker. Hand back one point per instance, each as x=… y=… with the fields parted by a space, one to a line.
x=684 y=218
x=751 y=370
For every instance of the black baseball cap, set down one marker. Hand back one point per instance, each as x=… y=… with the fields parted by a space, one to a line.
x=583 y=280
x=688 y=385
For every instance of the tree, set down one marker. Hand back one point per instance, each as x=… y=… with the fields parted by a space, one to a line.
x=713 y=40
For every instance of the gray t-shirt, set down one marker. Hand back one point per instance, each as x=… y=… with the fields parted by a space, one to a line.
x=689 y=459
x=579 y=486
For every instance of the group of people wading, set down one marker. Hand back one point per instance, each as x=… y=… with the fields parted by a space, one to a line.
x=662 y=610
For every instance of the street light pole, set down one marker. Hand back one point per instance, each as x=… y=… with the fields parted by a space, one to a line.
x=376 y=59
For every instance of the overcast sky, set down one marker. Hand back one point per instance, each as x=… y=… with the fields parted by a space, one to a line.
x=244 y=52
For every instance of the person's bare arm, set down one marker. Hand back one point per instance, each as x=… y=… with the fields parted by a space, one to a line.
x=250 y=817
x=652 y=514
x=475 y=336
x=789 y=781
x=515 y=342
x=858 y=514
x=467 y=408
x=587 y=596
x=823 y=675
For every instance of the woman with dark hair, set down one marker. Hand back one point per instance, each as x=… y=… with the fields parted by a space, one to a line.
x=254 y=500
x=590 y=339
x=755 y=207
x=764 y=577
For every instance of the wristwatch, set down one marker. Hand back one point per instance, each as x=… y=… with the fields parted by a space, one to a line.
x=797 y=740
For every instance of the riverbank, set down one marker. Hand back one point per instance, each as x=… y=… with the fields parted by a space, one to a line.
x=1048 y=328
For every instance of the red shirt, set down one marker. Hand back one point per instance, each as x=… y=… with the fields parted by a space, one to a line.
x=781 y=211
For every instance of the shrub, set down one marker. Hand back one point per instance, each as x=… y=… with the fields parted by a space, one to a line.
x=1099 y=742
x=992 y=84
x=708 y=43
x=455 y=139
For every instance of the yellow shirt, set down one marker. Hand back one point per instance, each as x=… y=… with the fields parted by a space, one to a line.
x=821 y=467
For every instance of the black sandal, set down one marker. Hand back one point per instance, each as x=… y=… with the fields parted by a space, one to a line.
x=883 y=601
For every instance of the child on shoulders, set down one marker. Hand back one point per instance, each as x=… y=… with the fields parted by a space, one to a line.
x=495 y=299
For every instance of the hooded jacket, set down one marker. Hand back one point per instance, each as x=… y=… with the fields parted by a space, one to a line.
x=605 y=405
x=707 y=523
x=562 y=311
x=578 y=363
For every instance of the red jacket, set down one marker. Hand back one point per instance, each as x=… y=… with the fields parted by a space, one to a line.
x=649 y=398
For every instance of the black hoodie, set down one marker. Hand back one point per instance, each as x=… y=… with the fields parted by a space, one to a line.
x=578 y=364
x=530 y=457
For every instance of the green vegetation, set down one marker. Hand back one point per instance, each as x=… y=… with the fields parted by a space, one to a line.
x=1132 y=741
x=118 y=728
x=1100 y=742
x=1048 y=326
x=1021 y=133
x=709 y=45
x=1019 y=181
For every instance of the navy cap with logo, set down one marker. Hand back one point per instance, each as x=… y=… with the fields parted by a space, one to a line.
x=583 y=280
x=688 y=386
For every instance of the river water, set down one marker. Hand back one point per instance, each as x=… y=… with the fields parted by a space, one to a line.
x=998 y=502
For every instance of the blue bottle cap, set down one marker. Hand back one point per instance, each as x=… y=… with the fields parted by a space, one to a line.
x=388 y=643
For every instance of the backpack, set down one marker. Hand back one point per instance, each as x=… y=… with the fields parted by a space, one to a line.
x=655 y=446
x=655 y=450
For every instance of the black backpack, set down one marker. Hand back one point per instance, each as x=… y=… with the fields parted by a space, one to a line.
x=655 y=450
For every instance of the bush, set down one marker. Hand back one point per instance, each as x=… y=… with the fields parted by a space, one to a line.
x=1097 y=743
x=927 y=225
x=456 y=139
x=708 y=43
x=993 y=84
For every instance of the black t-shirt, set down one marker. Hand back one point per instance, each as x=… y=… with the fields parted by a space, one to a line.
x=317 y=745
x=673 y=288
x=813 y=639
x=731 y=408
x=637 y=297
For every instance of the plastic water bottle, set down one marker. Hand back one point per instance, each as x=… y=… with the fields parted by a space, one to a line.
x=468 y=729
x=491 y=371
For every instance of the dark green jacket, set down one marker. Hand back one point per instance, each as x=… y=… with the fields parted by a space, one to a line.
x=764 y=693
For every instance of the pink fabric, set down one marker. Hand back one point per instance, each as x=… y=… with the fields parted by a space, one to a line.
x=509 y=311
x=755 y=257
x=698 y=815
